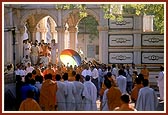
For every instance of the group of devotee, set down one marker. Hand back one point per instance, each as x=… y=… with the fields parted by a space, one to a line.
x=43 y=84
x=67 y=88
x=36 y=53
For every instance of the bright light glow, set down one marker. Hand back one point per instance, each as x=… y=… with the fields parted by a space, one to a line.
x=68 y=59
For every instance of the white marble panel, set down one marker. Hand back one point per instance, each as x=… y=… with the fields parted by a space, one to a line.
x=126 y=23
x=121 y=40
x=150 y=40
x=120 y=57
x=153 y=58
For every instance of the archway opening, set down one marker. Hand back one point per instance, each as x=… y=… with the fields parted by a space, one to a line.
x=88 y=38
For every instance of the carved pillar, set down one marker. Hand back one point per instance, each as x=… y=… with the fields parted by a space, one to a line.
x=32 y=34
x=8 y=48
x=60 y=33
x=54 y=35
x=19 y=42
x=103 y=44
x=43 y=34
x=73 y=37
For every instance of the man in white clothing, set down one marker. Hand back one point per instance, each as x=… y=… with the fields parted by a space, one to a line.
x=34 y=54
x=90 y=95
x=45 y=60
x=86 y=71
x=147 y=98
x=54 y=47
x=26 y=48
x=160 y=80
x=121 y=82
x=29 y=68
x=79 y=90
x=95 y=75
x=26 y=60
x=61 y=93
x=71 y=92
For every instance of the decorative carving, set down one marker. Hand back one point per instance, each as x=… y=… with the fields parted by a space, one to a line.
x=121 y=40
x=153 y=57
x=126 y=23
x=120 y=57
x=153 y=40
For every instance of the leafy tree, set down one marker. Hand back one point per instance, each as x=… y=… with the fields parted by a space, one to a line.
x=148 y=9
x=115 y=11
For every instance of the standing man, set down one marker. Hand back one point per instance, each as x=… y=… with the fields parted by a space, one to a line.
x=160 y=80
x=48 y=94
x=121 y=81
x=147 y=98
x=26 y=48
x=145 y=72
x=79 y=90
x=129 y=79
x=54 y=47
x=34 y=53
x=61 y=93
x=71 y=92
x=90 y=95
x=95 y=75
x=86 y=71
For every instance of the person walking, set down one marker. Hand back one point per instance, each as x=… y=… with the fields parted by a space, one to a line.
x=147 y=98
x=90 y=95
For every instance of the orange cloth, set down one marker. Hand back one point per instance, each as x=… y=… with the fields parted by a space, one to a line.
x=125 y=107
x=145 y=73
x=48 y=95
x=113 y=97
x=49 y=71
x=29 y=104
x=135 y=90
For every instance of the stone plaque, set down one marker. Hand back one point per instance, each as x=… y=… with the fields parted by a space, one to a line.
x=153 y=40
x=121 y=40
x=153 y=58
x=126 y=23
x=120 y=58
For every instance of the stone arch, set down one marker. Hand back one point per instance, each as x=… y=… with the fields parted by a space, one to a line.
x=75 y=11
x=41 y=13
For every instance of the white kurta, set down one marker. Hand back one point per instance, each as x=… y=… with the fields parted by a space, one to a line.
x=70 y=98
x=86 y=72
x=90 y=96
x=27 y=48
x=160 y=81
x=60 y=94
x=78 y=96
x=104 y=101
x=54 y=47
x=122 y=83
x=34 y=54
x=147 y=100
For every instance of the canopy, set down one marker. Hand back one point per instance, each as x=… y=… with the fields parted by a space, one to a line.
x=71 y=57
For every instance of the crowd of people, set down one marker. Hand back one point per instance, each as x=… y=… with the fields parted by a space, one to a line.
x=43 y=84
x=68 y=88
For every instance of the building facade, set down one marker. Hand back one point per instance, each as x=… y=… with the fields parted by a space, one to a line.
x=129 y=41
